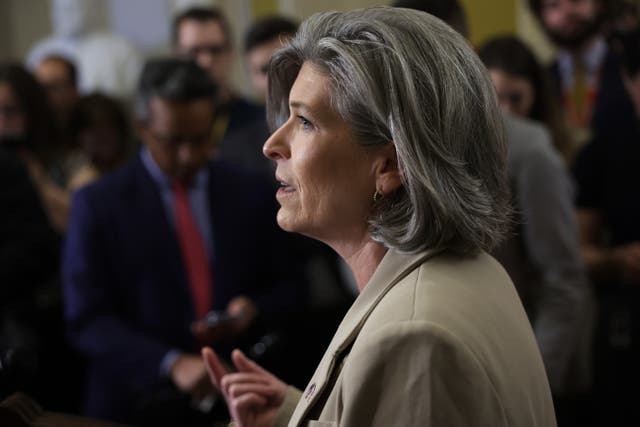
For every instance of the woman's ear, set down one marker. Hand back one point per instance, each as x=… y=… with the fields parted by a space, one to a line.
x=388 y=175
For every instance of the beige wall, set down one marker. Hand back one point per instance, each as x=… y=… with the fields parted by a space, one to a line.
x=530 y=31
x=304 y=9
x=5 y=33
x=488 y=18
x=22 y=22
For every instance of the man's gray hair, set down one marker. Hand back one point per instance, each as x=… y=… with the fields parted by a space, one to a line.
x=403 y=77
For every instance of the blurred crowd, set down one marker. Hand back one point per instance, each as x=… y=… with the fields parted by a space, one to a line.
x=138 y=215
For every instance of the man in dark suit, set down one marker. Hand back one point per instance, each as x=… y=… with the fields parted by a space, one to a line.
x=155 y=246
x=204 y=35
x=591 y=77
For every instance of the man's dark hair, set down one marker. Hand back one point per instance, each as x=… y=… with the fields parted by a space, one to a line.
x=449 y=11
x=172 y=79
x=201 y=15
x=72 y=71
x=267 y=29
x=94 y=109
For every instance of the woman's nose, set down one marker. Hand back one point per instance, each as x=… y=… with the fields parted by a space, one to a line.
x=276 y=147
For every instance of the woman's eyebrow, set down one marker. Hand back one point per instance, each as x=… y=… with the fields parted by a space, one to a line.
x=299 y=104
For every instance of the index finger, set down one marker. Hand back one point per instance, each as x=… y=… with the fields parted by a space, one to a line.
x=214 y=366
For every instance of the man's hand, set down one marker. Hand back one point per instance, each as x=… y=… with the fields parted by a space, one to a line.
x=240 y=314
x=189 y=374
x=253 y=394
x=244 y=310
x=627 y=259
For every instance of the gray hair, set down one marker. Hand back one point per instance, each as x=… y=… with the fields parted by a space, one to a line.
x=403 y=77
x=172 y=79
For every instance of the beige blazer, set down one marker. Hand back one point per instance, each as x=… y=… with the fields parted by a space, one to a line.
x=430 y=341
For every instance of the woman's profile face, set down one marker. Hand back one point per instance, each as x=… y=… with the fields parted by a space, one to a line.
x=515 y=94
x=326 y=178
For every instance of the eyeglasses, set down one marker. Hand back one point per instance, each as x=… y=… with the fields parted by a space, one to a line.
x=212 y=50
x=172 y=142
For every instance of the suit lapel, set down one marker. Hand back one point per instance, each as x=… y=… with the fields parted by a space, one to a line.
x=217 y=211
x=160 y=237
x=393 y=268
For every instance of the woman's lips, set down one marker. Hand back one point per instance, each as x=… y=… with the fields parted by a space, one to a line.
x=284 y=188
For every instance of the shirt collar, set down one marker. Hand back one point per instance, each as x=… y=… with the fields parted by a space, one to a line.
x=592 y=61
x=200 y=180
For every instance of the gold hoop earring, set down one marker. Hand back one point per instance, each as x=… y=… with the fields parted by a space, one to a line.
x=377 y=196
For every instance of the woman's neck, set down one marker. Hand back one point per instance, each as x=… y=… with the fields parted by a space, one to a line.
x=363 y=257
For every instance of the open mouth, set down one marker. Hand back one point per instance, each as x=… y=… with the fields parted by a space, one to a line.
x=284 y=187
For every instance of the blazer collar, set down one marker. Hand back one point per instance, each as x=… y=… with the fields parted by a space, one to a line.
x=394 y=267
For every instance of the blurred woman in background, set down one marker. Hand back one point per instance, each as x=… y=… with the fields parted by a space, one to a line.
x=99 y=131
x=27 y=125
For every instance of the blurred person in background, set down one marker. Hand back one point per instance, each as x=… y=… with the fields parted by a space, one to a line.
x=261 y=39
x=204 y=35
x=605 y=171
x=59 y=77
x=30 y=307
x=598 y=78
x=523 y=87
x=156 y=245
x=624 y=37
x=29 y=122
x=99 y=129
x=588 y=75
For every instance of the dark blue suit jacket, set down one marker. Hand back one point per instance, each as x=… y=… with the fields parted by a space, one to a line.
x=126 y=292
x=613 y=111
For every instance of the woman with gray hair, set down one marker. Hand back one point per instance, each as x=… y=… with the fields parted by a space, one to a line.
x=389 y=148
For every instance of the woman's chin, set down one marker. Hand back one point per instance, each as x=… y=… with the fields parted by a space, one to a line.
x=294 y=223
x=285 y=221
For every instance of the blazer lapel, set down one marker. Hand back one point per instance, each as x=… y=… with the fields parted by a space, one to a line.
x=393 y=268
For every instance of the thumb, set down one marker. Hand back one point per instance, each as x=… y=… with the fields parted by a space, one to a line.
x=214 y=366
x=244 y=364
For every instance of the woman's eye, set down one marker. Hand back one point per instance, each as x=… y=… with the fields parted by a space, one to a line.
x=306 y=124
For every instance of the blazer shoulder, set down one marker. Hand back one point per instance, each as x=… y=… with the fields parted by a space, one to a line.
x=113 y=189
x=448 y=277
x=461 y=319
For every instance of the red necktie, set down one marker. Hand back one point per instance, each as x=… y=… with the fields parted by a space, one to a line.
x=193 y=253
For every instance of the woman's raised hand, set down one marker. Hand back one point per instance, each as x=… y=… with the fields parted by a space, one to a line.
x=253 y=394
